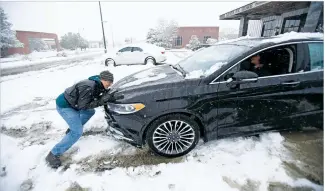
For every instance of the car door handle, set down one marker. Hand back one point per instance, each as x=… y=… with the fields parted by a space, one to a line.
x=291 y=83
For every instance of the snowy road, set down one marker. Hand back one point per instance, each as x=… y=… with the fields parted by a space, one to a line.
x=31 y=126
x=25 y=66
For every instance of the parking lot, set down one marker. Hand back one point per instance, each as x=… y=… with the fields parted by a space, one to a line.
x=31 y=126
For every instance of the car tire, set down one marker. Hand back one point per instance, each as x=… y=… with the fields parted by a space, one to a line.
x=172 y=145
x=109 y=59
x=150 y=60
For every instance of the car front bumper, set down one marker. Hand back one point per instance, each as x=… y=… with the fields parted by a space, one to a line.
x=161 y=59
x=162 y=62
x=125 y=127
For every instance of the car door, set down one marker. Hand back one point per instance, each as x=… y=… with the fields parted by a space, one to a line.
x=138 y=55
x=309 y=110
x=259 y=104
x=123 y=56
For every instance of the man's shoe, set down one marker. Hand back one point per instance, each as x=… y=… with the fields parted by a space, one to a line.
x=53 y=161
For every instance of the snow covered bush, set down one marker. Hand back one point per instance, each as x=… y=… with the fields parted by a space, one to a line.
x=73 y=41
x=211 y=41
x=62 y=54
x=163 y=34
x=194 y=42
x=26 y=57
x=37 y=44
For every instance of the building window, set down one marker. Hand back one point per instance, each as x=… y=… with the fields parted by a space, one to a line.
x=293 y=23
x=178 y=41
x=268 y=27
x=205 y=38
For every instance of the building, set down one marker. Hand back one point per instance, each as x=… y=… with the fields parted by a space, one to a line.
x=26 y=37
x=203 y=33
x=268 y=18
x=96 y=44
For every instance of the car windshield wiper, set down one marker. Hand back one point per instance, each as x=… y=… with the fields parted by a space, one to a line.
x=180 y=69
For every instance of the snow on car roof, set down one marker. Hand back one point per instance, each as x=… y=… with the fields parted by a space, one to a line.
x=294 y=36
x=253 y=41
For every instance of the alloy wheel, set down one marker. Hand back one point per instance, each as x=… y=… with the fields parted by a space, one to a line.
x=173 y=137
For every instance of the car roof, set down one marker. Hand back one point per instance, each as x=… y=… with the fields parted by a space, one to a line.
x=279 y=39
x=145 y=46
x=141 y=45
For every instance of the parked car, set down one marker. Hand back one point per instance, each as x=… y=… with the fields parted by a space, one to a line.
x=142 y=53
x=170 y=110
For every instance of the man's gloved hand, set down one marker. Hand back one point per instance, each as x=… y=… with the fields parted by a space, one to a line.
x=110 y=97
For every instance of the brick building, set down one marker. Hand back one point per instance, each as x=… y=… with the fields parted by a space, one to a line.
x=25 y=37
x=203 y=33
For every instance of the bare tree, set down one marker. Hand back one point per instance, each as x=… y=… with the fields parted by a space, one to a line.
x=228 y=33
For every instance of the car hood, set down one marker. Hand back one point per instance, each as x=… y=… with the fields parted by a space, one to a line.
x=157 y=75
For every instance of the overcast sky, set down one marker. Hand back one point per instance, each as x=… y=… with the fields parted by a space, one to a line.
x=126 y=19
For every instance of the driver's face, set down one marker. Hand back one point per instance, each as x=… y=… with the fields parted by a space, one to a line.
x=256 y=59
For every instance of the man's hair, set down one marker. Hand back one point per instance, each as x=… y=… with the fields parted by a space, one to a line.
x=106 y=76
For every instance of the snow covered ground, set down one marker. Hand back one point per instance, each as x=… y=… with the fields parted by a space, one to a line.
x=31 y=127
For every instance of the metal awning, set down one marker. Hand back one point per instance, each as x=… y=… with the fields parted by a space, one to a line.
x=260 y=9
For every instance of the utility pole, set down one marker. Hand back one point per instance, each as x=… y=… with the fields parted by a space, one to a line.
x=101 y=18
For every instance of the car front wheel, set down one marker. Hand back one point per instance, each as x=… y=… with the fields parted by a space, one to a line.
x=173 y=135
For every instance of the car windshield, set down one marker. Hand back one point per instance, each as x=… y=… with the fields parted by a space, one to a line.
x=209 y=60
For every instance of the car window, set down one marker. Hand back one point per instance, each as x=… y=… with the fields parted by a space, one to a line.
x=211 y=59
x=316 y=53
x=126 y=49
x=274 y=61
x=137 y=49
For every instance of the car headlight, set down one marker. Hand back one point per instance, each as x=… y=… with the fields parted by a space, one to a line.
x=125 y=108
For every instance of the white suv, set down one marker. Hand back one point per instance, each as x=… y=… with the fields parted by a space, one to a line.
x=143 y=53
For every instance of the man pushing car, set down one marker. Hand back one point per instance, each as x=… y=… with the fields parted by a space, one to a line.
x=76 y=106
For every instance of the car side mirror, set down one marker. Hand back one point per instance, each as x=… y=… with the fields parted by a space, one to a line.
x=243 y=77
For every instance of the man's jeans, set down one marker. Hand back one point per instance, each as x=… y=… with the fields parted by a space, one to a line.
x=75 y=119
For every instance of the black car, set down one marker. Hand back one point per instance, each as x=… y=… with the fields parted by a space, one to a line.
x=170 y=109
